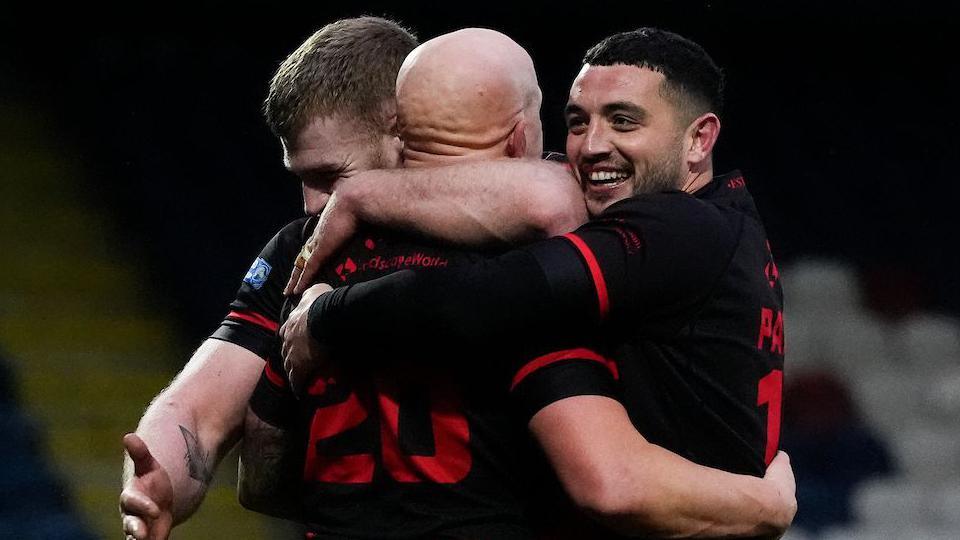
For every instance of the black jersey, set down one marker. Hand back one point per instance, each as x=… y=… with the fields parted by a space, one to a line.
x=254 y=315
x=396 y=452
x=681 y=290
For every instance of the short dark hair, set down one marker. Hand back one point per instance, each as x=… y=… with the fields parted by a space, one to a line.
x=349 y=66
x=693 y=82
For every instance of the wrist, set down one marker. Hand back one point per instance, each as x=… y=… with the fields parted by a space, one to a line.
x=354 y=191
x=778 y=512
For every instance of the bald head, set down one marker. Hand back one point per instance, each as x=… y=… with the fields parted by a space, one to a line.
x=469 y=94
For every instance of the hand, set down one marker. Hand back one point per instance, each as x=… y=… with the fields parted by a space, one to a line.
x=301 y=353
x=337 y=224
x=781 y=475
x=146 y=502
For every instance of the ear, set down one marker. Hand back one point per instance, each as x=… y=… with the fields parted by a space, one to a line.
x=701 y=137
x=517 y=140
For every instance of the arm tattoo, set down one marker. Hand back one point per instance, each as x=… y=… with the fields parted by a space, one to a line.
x=196 y=458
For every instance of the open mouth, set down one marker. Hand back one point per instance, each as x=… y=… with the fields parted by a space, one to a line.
x=606 y=179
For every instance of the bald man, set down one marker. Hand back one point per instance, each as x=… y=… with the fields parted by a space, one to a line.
x=471 y=94
x=467 y=96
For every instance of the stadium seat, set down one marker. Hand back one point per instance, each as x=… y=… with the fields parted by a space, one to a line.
x=822 y=287
x=803 y=342
x=941 y=397
x=927 y=452
x=857 y=343
x=796 y=533
x=888 y=399
x=920 y=531
x=945 y=504
x=860 y=533
x=889 y=503
x=929 y=342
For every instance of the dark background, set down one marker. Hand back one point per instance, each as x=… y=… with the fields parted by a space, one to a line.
x=842 y=116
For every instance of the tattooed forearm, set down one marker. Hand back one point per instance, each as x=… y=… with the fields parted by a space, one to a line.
x=197 y=460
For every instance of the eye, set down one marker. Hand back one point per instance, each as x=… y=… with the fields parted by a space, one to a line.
x=576 y=124
x=623 y=122
x=322 y=179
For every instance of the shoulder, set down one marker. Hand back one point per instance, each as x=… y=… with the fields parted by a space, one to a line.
x=292 y=236
x=298 y=230
x=675 y=210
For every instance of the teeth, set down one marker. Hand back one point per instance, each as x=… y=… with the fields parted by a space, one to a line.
x=605 y=176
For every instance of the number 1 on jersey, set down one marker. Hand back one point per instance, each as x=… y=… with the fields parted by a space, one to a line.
x=770 y=393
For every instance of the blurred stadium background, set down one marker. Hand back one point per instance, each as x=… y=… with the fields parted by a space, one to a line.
x=137 y=182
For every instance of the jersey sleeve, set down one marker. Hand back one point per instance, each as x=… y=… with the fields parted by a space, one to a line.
x=273 y=400
x=561 y=374
x=254 y=316
x=646 y=261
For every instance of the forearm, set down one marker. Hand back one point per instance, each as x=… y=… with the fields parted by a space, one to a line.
x=270 y=465
x=613 y=473
x=195 y=421
x=169 y=428
x=506 y=201
x=506 y=298
x=680 y=499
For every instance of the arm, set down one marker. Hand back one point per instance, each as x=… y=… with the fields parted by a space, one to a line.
x=273 y=451
x=635 y=487
x=634 y=261
x=508 y=201
x=270 y=463
x=185 y=432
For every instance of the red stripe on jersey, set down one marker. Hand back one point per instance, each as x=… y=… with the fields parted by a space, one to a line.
x=569 y=354
x=601 y=284
x=254 y=318
x=273 y=376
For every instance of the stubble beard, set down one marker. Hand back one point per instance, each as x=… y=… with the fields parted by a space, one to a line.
x=664 y=175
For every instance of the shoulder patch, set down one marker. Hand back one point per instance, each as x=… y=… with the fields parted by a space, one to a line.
x=258 y=273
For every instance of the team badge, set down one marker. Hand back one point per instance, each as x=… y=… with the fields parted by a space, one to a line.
x=258 y=273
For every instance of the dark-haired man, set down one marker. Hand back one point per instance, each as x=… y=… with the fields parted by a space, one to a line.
x=673 y=278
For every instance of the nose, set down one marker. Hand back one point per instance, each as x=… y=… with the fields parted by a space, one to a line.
x=596 y=142
x=314 y=199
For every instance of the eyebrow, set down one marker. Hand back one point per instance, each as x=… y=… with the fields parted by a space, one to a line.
x=625 y=106
x=610 y=108
x=571 y=108
x=327 y=167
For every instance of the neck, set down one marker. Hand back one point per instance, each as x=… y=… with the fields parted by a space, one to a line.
x=696 y=178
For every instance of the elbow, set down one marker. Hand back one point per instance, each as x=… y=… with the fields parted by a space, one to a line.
x=247 y=499
x=252 y=498
x=606 y=495
x=557 y=211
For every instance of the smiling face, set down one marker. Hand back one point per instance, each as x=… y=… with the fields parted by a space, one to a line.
x=624 y=137
x=331 y=148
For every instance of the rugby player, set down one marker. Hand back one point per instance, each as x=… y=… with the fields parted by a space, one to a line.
x=673 y=277
x=326 y=133
x=661 y=493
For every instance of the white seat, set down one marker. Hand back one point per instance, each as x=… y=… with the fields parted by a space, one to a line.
x=941 y=397
x=796 y=534
x=929 y=342
x=889 y=400
x=927 y=453
x=820 y=287
x=861 y=533
x=803 y=343
x=945 y=504
x=888 y=503
x=920 y=531
x=857 y=343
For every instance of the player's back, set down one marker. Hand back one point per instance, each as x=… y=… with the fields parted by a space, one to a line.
x=414 y=452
